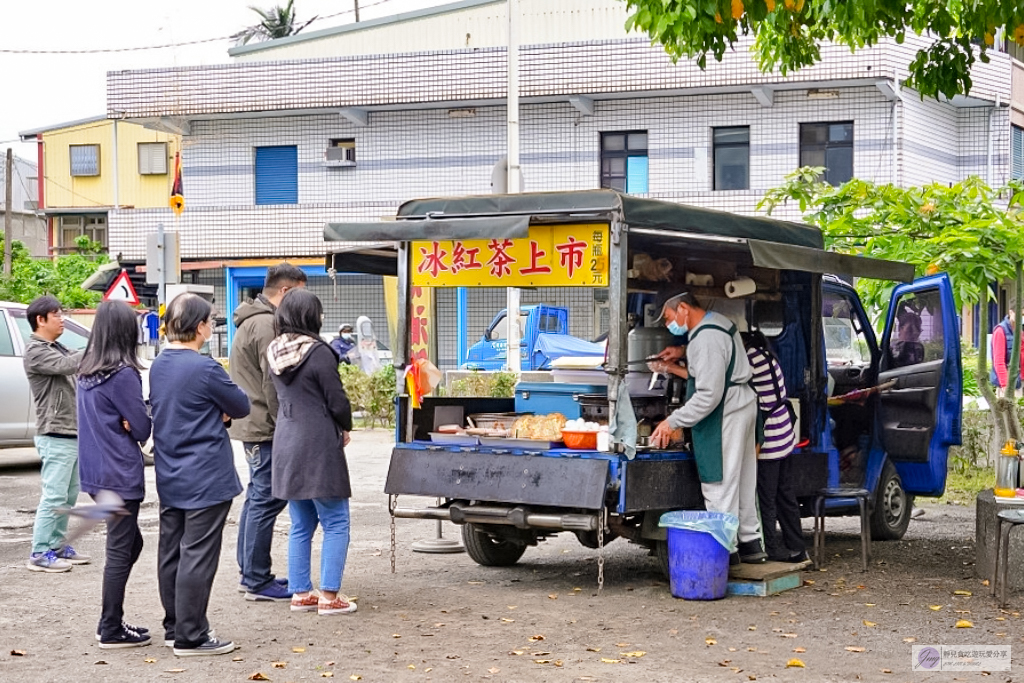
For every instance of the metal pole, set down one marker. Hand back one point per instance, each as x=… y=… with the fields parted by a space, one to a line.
x=8 y=191
x=513 y=340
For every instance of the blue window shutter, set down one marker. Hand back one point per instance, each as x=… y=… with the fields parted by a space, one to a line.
x=277 y=175
x=1017 y=137
x=636 y=175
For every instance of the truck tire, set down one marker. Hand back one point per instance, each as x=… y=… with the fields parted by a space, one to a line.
x=489 y=552
x=891 y=514
x=661 y=552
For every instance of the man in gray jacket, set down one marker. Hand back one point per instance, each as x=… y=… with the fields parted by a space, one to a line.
x=249 y=369
x=51 y=370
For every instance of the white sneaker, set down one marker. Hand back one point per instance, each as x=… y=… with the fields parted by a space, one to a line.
x=47 y=562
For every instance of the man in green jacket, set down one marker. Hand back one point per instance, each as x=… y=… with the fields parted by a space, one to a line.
x=51 y=370
x=249 y=369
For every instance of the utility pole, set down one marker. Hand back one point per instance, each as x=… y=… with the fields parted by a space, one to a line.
x=514 y=339
x=8 y=191
x=357 y=10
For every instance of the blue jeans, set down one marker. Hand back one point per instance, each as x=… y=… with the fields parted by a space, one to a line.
x=256 y=523
x=332 y=513
x=60 y=486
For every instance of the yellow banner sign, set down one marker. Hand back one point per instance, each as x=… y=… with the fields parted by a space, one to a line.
x=552 y=256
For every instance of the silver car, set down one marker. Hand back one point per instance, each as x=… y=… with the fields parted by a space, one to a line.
x=17 y=414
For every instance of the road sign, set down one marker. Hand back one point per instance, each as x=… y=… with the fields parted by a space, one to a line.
x=122 y=290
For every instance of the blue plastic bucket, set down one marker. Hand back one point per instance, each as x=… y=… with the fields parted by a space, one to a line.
x=698 y=565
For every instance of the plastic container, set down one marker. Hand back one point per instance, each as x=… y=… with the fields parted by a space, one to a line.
x=544 y=398
x=1007 y=469
x=699 y=543
x=584 y=441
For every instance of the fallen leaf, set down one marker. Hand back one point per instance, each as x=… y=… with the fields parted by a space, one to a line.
x=540 y=654
x=327 y=674
x=869 y=624
x=507 y=621
x=577 y=589
x=411 y=666
x=553 y=596
x=17 y=653
x=593 y=649
x=963 y=593
x=512 y=606
x=258 y=677
x=611 y=661
x=279 y=665
x=517 y=652
x=751 y=628
x=534 y=639
x=732 y=649
x=910 y=640
x=985 y=582
x=493 y=670
x=298 y=649
x=887 y=671
x=176 y=671
x=935 y=608
x=854 y=648
x=99 y=661
x=557 y=662
x=237 y=659
x=795 y=663
x=787 y=635
x=355 y=677
x=542 y=661
x=396 y=635
x=807 y=582
x=799 y=649
x=710 y=641
x=963 y=623
x=475 y=583
x=621 y=644
x=149 y=660
x=869 y=604
x=428 y=669
x=636 y=654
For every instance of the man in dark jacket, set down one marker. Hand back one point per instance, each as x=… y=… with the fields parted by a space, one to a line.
x=248 y=365
x=51 y=369
x=344 y=343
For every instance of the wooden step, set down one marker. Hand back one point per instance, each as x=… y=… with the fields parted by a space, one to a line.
x=761 y=580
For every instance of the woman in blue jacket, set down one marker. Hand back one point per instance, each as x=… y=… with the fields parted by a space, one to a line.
x=112 y=421
x=192 y=398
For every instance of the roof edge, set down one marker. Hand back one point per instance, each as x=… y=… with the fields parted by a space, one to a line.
x=437 y=10
x=32 y=132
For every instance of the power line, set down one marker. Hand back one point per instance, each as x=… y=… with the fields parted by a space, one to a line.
x=165 y=45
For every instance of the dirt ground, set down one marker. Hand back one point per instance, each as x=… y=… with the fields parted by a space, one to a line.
x=444 y=618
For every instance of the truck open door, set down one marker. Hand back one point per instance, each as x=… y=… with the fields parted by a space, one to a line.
x=920 y=416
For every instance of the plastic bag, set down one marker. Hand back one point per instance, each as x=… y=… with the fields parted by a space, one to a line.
x=722 y=525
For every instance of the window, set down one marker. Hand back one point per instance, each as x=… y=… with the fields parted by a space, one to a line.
x=1017 y=152
x=6 y=345
x=277 y=175
x=732 y=158
x=916 y=335
x=845 y=341
x=85 y=160
x=829 y=145
x=624 y=161
x=73 y=227
x=75 y=337
x=152 y=158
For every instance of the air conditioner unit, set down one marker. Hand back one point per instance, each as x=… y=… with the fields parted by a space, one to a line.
x=340 y=155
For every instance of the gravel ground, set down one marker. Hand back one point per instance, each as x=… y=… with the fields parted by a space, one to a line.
x=443 y=618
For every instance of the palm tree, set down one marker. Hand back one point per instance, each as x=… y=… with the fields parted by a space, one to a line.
x=276 y=22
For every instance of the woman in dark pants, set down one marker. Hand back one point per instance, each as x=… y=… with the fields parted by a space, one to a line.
x=192 y=398
x=112 y=421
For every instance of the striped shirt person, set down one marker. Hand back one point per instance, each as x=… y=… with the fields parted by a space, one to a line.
x=779 y=436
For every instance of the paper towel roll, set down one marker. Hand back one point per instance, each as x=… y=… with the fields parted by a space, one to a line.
x=741 y=286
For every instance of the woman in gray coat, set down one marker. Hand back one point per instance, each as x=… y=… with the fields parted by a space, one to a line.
x=309 y=469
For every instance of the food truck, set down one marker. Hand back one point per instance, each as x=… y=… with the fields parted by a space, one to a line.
x=879 y=413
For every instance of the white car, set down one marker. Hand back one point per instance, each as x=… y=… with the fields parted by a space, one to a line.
x=17 y=414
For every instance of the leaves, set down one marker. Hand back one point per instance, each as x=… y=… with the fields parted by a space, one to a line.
x=258 y=677
x=963 y=623
x=869 y=624
x=795 y=664
x=854 y=648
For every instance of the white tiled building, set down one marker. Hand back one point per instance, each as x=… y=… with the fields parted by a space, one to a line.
x=397 y=124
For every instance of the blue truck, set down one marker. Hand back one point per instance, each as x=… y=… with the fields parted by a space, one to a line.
x=544 y=337
x=891 y=436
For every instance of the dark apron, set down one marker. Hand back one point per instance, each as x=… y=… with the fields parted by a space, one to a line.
x=707 y=434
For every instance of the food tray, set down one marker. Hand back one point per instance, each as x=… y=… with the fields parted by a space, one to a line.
x=525 y=444
x=455 y=439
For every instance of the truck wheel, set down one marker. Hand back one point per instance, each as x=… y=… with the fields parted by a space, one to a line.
x=891 y=516
x=661 y=552
x=488 y=551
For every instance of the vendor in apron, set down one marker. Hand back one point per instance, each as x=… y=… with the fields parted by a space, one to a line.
x=721 y=412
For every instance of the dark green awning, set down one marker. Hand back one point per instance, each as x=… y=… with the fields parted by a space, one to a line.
x=790 y=257
x=429 y=229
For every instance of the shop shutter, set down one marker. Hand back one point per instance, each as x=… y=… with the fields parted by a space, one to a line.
x=277 y=175
x=1018 y=152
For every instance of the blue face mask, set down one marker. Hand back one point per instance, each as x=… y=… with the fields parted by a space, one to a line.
x=677 y=329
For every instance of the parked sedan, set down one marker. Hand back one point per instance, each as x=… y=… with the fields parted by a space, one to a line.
x=17 y=414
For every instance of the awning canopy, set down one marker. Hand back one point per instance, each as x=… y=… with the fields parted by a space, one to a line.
x=770 y=243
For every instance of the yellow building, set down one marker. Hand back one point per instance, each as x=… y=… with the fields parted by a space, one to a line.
x=89 y=167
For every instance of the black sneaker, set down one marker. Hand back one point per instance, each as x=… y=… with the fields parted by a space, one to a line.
x=169 y=637
x=752 y=552
x=125 y=638
x=142 y=630
x=212 y=646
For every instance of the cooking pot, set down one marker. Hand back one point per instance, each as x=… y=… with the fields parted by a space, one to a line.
x=644 y=342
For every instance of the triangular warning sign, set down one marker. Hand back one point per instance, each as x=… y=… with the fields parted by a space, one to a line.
x=122 y=290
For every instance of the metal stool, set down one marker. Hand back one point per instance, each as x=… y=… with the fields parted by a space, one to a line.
x=861 y=496
x=1008 y=520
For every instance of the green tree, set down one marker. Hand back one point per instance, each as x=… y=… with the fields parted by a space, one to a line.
x=62 y=277
x=276 y=22
x=788 y=33
x=968 y=230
